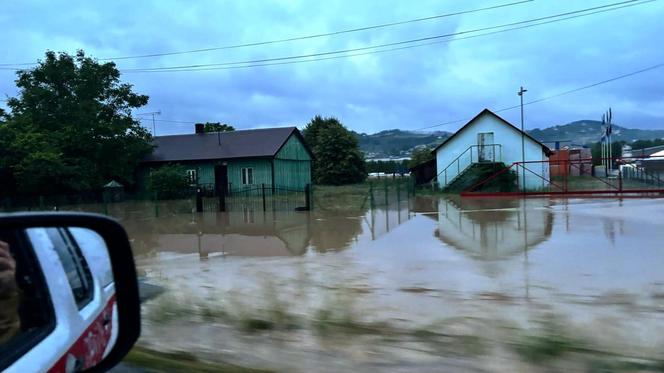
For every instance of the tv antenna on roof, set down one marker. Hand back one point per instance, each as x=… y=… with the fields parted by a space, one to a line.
x=153 y=113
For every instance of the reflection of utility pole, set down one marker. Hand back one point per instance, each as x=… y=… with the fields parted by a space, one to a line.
x=525 y=250
x=523 y=142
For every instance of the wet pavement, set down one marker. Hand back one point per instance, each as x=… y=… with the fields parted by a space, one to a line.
x=424 y=284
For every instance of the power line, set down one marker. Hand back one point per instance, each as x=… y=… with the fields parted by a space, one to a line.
x=300 y=58
x=574 y=90
x=305 y=37
x=389 y=49
x=612 y=6
x=167 y=121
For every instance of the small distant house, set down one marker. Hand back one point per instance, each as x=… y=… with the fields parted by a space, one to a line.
x=223 y=161
x=654 y=167
x=571 y=161
x=488 y=139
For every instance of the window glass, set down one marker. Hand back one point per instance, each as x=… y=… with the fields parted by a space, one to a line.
x=75 y=266
x=250 y=172
x=247 y=176
x=192 y=175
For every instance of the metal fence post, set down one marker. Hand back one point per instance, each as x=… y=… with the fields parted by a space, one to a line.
x=199 y=200
x=620 y=181
x=307 y=197
x=311 y=201
x=398 y=192
x=385 y=188
x=371 y=195
x=222 y=201
x=156 y=205
x=263 y=192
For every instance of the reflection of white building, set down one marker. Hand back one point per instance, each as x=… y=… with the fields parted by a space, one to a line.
x=488 y=138
x=493 y=229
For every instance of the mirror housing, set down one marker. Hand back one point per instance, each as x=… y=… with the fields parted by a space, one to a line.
x=122 y=267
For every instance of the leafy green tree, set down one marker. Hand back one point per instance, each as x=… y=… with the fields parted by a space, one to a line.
x=338 y=159
x=389 y=167
x=420 y=156
x=70 y=128
x=217 y=127
x=596 y=151
x=642 y=144
x=169 y=181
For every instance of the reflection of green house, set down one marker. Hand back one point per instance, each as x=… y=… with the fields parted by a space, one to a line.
x=274 y=157
x=238 y=233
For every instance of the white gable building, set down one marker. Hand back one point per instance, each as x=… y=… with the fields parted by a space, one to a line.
x=488 y=138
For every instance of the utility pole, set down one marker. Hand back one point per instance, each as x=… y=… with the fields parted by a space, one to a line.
x=603 y=146
x=523 y=142
x=608 y=120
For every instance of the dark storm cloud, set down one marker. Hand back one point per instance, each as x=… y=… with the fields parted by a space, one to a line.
x=407 y=89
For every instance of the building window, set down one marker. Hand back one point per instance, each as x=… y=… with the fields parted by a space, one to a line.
x=247 y=176
x=192 y=176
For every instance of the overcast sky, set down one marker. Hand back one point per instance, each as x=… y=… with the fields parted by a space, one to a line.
x=406 y=89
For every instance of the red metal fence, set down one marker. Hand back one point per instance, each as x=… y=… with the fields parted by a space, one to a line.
x=623 y=176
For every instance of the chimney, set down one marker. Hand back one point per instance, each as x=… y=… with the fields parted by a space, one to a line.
x=200 y=128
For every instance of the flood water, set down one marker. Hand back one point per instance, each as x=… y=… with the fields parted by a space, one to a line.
x=429 y=284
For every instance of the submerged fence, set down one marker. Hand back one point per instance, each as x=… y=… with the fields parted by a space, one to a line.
x=257 y=197
x=373 y=194
x=201 y=198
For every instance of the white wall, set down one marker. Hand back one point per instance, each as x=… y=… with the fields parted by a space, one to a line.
x=508 y=153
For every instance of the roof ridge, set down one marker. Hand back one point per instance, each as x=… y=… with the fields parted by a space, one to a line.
x=228 y=132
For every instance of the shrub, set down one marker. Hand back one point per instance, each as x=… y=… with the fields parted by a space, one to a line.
x=169 y=182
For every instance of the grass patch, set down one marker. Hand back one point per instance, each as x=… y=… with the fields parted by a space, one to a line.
x=273 y=314
x=179 y=362
x=449 y=336
x=338 y=314
x=550 y=340
x=166 y=308
x=611 y=366
x=212 y=312
x=251 y=324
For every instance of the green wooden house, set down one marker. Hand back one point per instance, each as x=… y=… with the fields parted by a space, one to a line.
x=274 y=157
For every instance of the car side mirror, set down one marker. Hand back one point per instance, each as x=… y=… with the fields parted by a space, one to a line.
x=69 y=297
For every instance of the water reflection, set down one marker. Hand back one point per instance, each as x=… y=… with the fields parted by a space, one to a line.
x=244 y=232
x=251 y=232
x=493 y=229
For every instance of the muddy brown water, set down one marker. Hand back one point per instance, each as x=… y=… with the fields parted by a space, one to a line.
x=463 y=269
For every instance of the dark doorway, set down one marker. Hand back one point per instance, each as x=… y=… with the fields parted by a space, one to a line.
x=221 y=180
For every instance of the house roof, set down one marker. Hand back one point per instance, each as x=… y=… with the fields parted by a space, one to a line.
x=545 y=148
x=113 y=184
x=264 y=142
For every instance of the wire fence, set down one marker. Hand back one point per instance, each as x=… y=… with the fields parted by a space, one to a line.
x=200 y=198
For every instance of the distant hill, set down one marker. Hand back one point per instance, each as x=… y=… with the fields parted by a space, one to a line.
x=586 y=131
x=398 y=143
